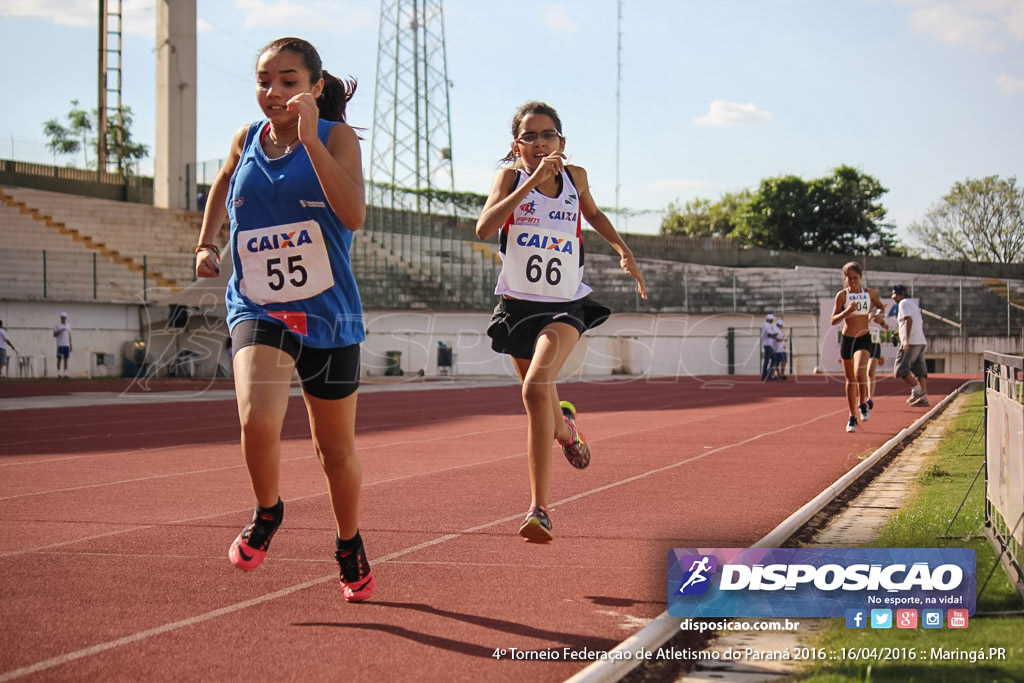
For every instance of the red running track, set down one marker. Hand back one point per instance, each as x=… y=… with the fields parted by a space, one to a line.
x=116 y=523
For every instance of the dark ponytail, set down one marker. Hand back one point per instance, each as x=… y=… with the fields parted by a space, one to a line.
x=336 y=93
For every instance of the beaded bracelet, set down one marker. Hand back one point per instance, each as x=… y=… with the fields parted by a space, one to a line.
x=211 y=247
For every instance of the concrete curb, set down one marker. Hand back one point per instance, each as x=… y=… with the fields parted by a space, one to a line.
x=664 y=626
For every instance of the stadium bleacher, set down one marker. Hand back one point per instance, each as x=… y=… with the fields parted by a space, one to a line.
x=406 y=260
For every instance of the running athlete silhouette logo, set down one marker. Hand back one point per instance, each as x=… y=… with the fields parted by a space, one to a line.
x=529 y=208
x=700 y=566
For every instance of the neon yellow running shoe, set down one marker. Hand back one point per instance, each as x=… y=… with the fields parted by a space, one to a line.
x=576 y=449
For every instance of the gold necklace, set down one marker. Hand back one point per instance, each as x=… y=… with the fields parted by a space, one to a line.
x=287 y=148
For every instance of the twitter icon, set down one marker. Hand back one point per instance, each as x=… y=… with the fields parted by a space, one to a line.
x=881 y=618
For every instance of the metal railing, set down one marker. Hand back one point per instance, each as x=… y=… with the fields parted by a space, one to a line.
x=70 y=276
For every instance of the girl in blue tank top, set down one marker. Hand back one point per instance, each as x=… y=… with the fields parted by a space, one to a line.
x=536 y=207
x=292 y=186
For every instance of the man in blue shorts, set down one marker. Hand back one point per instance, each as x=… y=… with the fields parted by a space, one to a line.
x=62 y=333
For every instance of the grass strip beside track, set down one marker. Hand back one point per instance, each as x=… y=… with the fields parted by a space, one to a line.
x=922 y=523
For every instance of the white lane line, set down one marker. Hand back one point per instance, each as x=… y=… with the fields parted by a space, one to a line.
x=637 y=477
x=360 y=449
x=360 y=431
x=309 y=560
x=304 y=434
x=192 y=621
x=138 y=636
x=300 y=458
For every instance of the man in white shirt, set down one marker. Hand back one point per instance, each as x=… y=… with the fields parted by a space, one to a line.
x=62 y=333
x=768 y=335
x=780 y=350
x=910 y=364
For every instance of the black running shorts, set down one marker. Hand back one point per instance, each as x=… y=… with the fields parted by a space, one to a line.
x=850 y=345
x=330 y=374
x=517 y=323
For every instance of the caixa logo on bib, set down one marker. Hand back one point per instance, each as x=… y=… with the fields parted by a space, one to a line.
x=281 y=240
x=545 y=242
x=562 y=216
x=816 y=582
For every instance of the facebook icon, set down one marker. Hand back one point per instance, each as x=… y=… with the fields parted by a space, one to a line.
x=856 y=618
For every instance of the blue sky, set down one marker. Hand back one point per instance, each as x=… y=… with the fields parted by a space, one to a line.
x=716 y=94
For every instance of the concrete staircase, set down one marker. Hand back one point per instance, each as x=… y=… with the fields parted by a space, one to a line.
x=93 y=224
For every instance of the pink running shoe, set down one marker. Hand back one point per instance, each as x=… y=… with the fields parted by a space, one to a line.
x=250 y=547
x=577 y=450
x=355 y=575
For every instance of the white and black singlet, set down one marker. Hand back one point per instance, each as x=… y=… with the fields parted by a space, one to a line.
x=541 y=246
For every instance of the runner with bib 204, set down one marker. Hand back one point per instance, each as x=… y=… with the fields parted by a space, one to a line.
x=853 y=307
x=536 y=206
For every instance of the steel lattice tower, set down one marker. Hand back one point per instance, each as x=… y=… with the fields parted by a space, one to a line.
x=412 y=137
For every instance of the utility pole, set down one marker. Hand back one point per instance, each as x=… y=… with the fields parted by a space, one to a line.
x=618 y=109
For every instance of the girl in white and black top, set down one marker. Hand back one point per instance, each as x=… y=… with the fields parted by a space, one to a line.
x=537 y=204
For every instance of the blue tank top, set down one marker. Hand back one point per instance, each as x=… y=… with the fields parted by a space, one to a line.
x=290 y=251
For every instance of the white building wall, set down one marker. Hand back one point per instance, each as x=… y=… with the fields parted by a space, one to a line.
x=627 y=344
x=95 y=329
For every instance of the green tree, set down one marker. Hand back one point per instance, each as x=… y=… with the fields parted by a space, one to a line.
x=704 y=218
x=978 y=220
x=76 y=136
x=778 y=216
x=850 y=218
x=837 y=214
x=72 y=138
x=120 y=145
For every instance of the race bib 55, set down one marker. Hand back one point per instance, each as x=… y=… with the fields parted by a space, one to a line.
x=284 y=262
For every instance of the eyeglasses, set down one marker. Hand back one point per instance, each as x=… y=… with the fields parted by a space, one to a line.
x=546 y=136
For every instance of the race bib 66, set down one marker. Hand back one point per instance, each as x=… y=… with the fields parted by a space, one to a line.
x=284 y=262
x=542 y=262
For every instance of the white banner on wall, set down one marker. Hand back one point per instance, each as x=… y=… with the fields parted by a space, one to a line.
x=1004 y=453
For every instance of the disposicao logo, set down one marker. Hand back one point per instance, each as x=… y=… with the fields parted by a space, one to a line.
x=817 y=582
x=696 y=580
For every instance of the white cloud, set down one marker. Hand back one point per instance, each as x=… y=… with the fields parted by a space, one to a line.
x=722 y=113
x=63 y=12
x=697 y=185
x=982 y=25
x=556 y=18
x=325 y=15
x=137 y=16
x=1010 y=85
x=957 y=25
